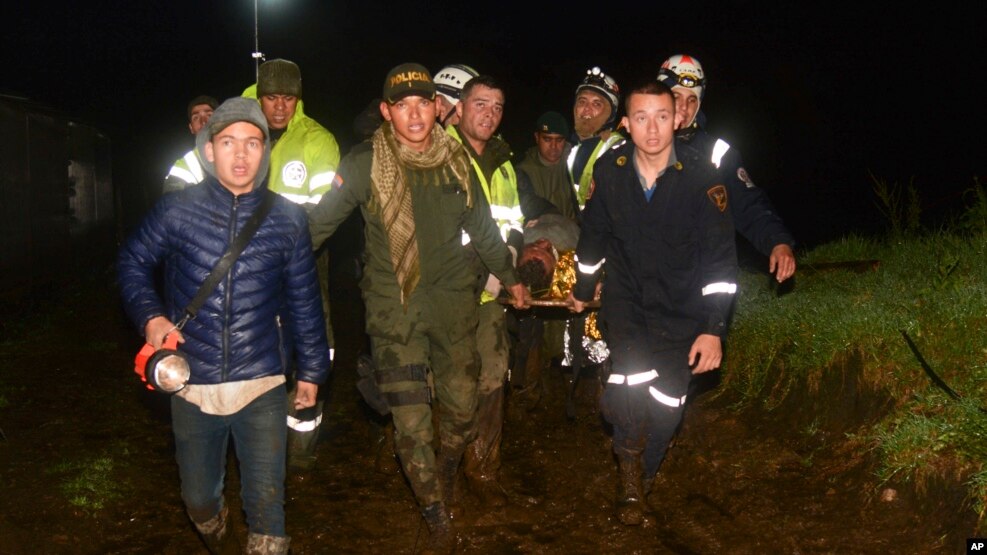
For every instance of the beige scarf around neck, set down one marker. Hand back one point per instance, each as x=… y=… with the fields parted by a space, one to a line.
x=392 y=195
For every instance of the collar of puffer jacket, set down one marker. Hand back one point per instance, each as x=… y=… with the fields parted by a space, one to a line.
x=223 y=195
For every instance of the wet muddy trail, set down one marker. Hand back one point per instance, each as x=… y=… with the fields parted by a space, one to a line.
x=732 y=483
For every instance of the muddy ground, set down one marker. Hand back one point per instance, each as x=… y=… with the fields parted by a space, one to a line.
x=733 y=482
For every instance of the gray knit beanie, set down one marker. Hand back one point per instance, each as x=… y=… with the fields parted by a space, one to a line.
x=279 y=77
x=231 y=111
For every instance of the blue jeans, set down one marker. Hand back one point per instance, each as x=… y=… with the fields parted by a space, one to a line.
x=259 y=434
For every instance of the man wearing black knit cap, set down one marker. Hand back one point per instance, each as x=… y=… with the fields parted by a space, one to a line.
x=304 y=158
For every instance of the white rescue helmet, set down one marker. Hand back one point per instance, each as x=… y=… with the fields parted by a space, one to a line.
x=603 y=84
x=682 y=70
x=450 y=80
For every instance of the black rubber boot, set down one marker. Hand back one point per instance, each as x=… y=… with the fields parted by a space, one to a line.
x=440 y=537
x=447 y=463
x=482 y=460
x=630 y=501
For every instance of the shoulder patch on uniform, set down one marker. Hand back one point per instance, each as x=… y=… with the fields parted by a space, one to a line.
x=294 y=173
x=337 y=181
x=621 y=160
x=742 y=175
x=678 y=165
x=718 y=194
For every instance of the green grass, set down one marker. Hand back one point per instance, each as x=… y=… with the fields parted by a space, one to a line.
x=89 y=483
x=934 y=287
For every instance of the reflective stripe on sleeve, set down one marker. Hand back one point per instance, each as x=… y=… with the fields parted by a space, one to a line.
x=506 y=213
x=192 y=161
x=719 y=149
x=183 y=174
x=665 y=399
x=304 y=425
x=720 y=287
x=321 y=179
x=466 y=238
x=633 y=379
x=302 y=199
x=587 y=268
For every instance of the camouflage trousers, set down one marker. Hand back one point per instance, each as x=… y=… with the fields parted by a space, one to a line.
x=493 y=346
x=450 y=355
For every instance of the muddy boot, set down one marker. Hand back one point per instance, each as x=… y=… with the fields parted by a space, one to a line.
x=385 y=461
x=448 y=468
x=482 y=460
x=530 y=396
x=218 y=535
x=260 y=544
x=440 y=537
x=630 y=502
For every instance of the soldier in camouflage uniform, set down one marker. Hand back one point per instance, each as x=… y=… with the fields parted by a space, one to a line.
x=412 y=183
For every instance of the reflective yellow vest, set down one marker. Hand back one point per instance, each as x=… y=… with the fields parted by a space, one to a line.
x=186 y=172
x=501 y=193
x=304 y=160
x=584 y=182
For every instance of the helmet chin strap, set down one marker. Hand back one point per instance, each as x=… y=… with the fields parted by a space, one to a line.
x=448 y=117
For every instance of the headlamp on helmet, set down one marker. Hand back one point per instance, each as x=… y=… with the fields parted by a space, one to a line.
x=682 y=70
x=604 y=85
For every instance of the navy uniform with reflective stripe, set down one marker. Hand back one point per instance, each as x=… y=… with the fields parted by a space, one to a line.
x=670 y=276
x=753 y=214
x=660 y=255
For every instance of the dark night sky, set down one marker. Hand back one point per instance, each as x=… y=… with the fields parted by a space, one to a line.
x=814 y=95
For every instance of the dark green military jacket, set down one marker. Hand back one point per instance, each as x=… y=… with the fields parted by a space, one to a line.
x=446 y=293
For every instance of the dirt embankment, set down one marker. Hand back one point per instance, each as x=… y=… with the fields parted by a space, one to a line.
x=789 y=480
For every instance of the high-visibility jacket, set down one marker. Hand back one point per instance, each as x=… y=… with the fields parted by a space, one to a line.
x=304 y=159
x=500 y=191
x=186 y=171
x=501 y=194
x=584 y=181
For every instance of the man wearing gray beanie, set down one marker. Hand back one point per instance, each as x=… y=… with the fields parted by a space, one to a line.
x=235 y=343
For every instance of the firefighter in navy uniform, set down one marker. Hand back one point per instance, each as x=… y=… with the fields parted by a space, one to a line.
x=659 y=219
x=753 y=214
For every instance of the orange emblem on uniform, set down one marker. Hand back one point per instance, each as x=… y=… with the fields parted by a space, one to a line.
x=718 y=195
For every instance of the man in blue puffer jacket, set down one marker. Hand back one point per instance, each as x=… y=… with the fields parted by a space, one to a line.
x=236 y=345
